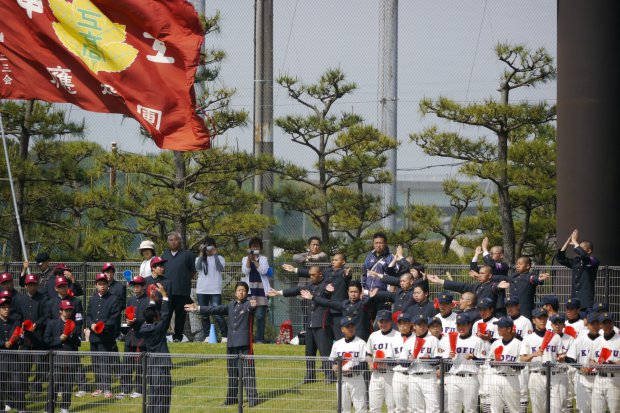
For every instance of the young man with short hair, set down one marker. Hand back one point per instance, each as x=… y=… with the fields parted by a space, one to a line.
x=381 y=341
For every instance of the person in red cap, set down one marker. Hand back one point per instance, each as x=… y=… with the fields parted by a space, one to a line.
x=60 y=336
x=158 y=270
x=134 y=342
x=7 y=361
x=102 y=316
x=117 y=289
x=73 y=285
x=30 y=309
x=61 y=292
x=7 y=290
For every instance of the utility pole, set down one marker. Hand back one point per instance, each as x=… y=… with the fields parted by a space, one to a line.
x=112 y=168
x=263 y=106
x=388 y=99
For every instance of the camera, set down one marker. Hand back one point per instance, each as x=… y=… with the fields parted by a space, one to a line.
x=209 y=248
x=254 y=252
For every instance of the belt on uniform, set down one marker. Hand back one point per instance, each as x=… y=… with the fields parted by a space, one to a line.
x=608 y=374
x=506 y=374
x=420 y=373
x=346 y=374
x=544 y=373
x=464 y=374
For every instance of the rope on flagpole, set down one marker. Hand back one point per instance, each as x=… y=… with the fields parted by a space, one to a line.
x=8 y=168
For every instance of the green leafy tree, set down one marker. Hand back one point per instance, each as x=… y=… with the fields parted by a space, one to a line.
x=490 y=159
x=348 y=156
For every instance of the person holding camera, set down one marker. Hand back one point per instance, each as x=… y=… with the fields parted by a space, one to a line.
x=210 y=266
x=255 y=268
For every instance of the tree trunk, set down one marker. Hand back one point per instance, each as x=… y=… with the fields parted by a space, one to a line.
x=445 y=249
x=505 y=208
x=526 y=229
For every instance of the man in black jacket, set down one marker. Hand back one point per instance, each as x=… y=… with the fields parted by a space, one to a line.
x=584 y=266
x=103 y=313
x=318 y=334
x=484 y=288
x=240 y=314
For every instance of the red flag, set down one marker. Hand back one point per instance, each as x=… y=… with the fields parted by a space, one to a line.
x=395 y=316
x=417 y=346
x=135 y=57
x=27 y=325
x=570 y=331
x=379 y=354
x=69 y=327
x=130 y=312
x=546 y=339
x=453 y=336
x=436 y=302
x=498 y=353
x=482 y=328
x=151 y=289
x=605 y=353
x=15 y=336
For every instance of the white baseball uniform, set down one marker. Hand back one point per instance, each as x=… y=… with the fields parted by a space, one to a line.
x=505 y=376
x=448 y=323
x=584 y=380
x=567 y=342
x=538 y=378
x=523 y=327
x=380 y=387
x=606 y=390
x=423 y=389
x=462 y=379
x=484 y=374
x=400 y=381
x=353 y=387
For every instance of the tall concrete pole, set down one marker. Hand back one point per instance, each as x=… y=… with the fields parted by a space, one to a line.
x=263 y=105
x=388 y=98
x=588 y=112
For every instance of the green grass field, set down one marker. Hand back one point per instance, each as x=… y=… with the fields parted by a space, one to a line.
x=200 y=383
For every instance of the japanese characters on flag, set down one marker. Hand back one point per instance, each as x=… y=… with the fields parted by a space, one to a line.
x=135 y=57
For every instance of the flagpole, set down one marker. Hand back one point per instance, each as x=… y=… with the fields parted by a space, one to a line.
x=8 y=168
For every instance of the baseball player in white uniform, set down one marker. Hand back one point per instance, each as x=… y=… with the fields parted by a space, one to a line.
x=423 y=389
x=353 y=350
x=504 y=376
x=462 y=379
x=606 y=356
x=446 y=315
x=380 y=343
x=579 y=353
x=531 y=352
x=522 y=327
x=400 y=381
x=486 y=330
x=574 y=324
x=558 y=322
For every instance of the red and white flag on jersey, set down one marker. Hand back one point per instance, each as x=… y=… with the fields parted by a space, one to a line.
x=134 y=57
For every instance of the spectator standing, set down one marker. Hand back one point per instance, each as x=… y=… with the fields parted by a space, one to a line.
x=375 y=263
x=45 y=271
x=180 y=269
x=584 y=266
x=313 y=255
x=256 y=268
x=209 y=266
x=147 y=251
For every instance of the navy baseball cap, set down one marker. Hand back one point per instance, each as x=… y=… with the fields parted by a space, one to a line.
x=504 y=322
x=513 y=300
x=404 y=317
x=592 y=317
x=463 y=319
x=434 y=320
x=42 y=257
x=445 y=298
x=605 y=317
x=346 y=321
x=539 y=312
x=486 y=303
x=420 y=318
x=384 y=315
x=550 y=300
x=557 y=318
x=573 y=303
x=600 y=307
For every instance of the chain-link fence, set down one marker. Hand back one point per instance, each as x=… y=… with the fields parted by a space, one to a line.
x=282 y=309
x=34 y=381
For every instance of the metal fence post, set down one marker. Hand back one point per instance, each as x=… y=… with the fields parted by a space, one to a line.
x=607 y=284
x=339 y=385
x=145 y=363
x=548 y=386
x=442 y=388
x=84 y=284
x=50 y=390
x=240 y=383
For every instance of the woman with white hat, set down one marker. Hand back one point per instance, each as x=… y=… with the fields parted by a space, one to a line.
x=147 y=250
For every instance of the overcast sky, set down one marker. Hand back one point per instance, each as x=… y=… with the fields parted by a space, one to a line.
x=445 y=48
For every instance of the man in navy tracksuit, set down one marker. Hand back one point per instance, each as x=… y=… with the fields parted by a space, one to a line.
x=240 y=315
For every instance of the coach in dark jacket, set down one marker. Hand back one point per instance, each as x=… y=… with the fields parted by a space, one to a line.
x=585 y=268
